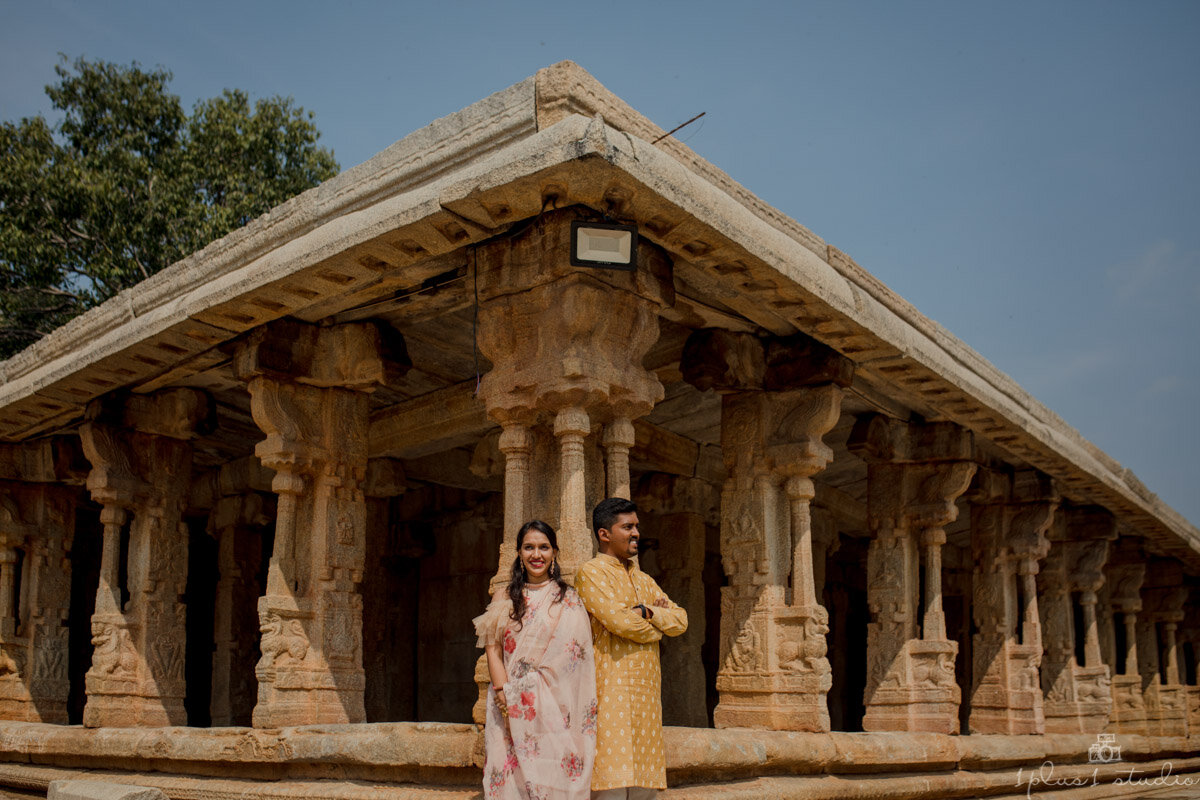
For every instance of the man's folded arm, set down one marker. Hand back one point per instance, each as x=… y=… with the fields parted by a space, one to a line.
x=619 y=620
x=671 y=620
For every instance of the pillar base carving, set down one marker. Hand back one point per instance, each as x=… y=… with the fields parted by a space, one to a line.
x=1015 y=708
x=921 y=696
x=1088 y=710
x=1166 y=710
x=116 y=685
x=296 y=683
x=776 y=675
x=1129 y=707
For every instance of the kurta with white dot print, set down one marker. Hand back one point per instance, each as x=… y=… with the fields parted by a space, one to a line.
x=629 y=748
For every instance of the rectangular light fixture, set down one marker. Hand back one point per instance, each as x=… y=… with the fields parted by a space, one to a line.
x=603 y=245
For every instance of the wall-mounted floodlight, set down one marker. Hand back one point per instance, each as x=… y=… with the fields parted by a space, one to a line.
x=603 y=245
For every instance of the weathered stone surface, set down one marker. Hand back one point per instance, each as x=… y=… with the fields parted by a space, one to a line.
x=101 y=790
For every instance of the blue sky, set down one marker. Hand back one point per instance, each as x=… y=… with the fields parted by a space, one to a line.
x=1025 y=173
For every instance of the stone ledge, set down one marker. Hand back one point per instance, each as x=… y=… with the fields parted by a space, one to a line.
x=1076 y=780
x=452 y=754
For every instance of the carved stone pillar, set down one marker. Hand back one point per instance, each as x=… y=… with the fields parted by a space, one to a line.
x=235 y=522
x=141 y=460
x=1125 y=573
x=516 y=444
x=618 y=440
x=571 y=426
x=678 y=508
x=915 y=474
x=781 y=397
x=309 y=393
x=566 y=345
x=36 y=527
x=1010 y=518
x=1077 y=696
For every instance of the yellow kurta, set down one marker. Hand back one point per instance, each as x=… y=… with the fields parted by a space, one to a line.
x=629 y=748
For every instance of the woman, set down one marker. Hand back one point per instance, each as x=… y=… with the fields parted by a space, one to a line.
x=540 y=735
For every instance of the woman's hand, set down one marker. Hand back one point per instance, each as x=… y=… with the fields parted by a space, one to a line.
x=501 y=702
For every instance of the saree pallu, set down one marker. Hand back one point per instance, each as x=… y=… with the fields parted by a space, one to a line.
x=544 y=750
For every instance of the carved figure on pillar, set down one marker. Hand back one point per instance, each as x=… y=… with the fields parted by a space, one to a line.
x=309 y=390
x=1077 y=696
x=1010 y=517
x=141 y=455
x=37 y=523
x=780 y=398
x=915 y=474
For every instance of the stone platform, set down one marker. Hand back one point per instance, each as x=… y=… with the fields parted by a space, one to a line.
x=416 y=761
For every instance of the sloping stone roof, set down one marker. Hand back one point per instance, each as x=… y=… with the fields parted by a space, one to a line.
x=556 y=139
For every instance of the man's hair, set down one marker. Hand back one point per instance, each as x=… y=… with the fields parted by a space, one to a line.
x=607 y=510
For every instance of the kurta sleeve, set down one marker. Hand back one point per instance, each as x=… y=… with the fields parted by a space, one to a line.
x=490 y=625
x=599 y=599
x=673 y=620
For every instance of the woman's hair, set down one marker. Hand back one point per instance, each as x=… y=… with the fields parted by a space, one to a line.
x=516 y=583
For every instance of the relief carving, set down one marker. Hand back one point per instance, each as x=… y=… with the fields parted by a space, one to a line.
x=281 y=640
x=114 y=654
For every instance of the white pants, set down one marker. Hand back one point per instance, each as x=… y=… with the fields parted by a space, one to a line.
x=625 y=793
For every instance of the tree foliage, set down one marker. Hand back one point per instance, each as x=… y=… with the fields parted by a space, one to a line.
x=127 y=183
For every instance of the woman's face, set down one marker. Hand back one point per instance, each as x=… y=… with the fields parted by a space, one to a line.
x=536 y=556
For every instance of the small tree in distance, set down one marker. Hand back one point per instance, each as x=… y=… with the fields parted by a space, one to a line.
x=128 y=183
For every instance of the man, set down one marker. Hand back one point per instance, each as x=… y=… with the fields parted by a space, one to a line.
x=629 y=615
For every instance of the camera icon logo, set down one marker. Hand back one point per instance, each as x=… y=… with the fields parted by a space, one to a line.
x=1105 y=749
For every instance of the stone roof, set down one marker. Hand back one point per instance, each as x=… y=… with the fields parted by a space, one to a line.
x=385 y=229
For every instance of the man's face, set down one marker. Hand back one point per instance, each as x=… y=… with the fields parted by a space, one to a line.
x=621 y=540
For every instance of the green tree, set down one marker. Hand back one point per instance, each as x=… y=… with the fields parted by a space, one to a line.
x=127 y=183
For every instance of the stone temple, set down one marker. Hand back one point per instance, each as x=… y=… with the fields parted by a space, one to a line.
x=249 y=507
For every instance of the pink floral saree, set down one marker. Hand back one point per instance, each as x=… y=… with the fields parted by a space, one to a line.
x=545 y=749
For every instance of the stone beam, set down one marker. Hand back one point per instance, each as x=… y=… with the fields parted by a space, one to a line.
x=441 y=420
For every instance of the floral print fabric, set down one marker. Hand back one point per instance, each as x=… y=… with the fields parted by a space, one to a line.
x=545 y=749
